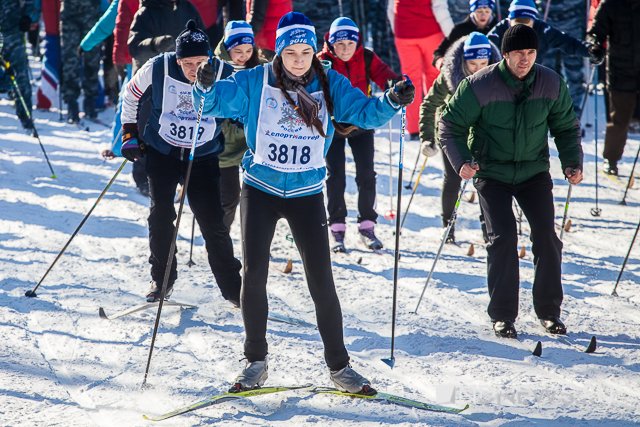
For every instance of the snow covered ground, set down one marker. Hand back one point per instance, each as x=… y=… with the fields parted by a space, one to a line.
x=60 y=364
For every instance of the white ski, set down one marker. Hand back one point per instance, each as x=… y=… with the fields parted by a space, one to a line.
x=141 y=307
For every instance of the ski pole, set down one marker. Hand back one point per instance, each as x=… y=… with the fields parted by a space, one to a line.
x=7 y=66
x=546 y=10
x=454 y=215
x=626 y=258
x=409 y=184
x=633 y=170
x=413 y=193
x=396 y=256
x=190 y=263
x=391 y=214
x=586 y=92
x=172 y=248
x=32 y=293
x=595 y=211
x=566 y=210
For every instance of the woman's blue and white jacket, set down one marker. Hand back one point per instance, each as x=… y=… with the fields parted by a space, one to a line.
x=238 y=97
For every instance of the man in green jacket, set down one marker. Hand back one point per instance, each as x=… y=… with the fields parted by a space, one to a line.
x=494 y=130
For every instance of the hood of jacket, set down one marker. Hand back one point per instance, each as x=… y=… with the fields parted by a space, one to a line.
x=453 y=69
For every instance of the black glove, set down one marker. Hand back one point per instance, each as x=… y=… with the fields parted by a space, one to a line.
x=24 y=24
x=402 y=92
x=132 y=149
x=596 y=54
x=80 y=51
x=164 y=44
x=206 y=75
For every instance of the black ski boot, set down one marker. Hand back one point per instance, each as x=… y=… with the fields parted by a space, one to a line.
x=611 y=167
x=505 y=329
x=451 y=237
x=554 y=326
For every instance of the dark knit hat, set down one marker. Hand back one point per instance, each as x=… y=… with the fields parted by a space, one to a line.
x=192 y=42
x=519 y=37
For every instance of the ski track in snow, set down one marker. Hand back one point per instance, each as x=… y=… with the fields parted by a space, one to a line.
x=62 y=365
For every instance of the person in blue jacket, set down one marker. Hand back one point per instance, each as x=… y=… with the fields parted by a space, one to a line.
x=168 y=135
x=290 y=109
x=525 y=12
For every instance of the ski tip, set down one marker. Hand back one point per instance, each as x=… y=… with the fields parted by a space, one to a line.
x=592 y=345
x=102 y=314
x=391 y=361
x=538 y=350
x=30 y=294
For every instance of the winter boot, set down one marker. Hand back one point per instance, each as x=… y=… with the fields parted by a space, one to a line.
x=451 y=237
x=348 y=380
x=252 y=376
x=337 y=236
x=368 y=236
x=611 y=167
x=155 y=290
x=554 y=326
x=73 y=112
x=505 y=329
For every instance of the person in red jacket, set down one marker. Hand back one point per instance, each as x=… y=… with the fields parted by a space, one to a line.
x=419 y=26
x=126 y=10
x=263 y=16
x=344 y=49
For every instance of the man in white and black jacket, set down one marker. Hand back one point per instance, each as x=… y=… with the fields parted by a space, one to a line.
x=168 y=134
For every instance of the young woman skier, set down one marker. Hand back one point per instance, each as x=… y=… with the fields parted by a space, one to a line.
x=290 y=109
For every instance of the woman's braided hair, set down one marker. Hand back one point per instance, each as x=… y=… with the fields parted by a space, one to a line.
x=278 y=69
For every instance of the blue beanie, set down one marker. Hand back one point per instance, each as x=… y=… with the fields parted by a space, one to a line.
x=295 y=28
x=523 y=9
x=343 y=29
x=237 y=33
x=477 y=46
x=474 y=4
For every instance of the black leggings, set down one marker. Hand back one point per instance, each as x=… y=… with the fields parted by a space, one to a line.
x=259 y=213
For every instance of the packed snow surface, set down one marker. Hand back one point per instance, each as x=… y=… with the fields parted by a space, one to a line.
x=62 y=365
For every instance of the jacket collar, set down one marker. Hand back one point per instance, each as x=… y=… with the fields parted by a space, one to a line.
x=512 y=81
